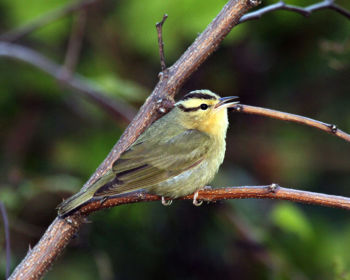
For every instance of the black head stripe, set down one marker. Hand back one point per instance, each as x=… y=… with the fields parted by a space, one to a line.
x=199 y=96
x=183 y=108
x=191 y=109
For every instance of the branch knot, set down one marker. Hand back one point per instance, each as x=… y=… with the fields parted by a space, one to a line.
x=273 y=188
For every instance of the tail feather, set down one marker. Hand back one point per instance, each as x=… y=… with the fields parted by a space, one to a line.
x=73 y=203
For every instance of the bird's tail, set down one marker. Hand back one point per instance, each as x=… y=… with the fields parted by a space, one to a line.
x=73 y=203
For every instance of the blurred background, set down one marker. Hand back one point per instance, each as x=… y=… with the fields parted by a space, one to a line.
x=52 y=139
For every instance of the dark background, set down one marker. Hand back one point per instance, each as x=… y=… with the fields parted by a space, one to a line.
x=52 y=140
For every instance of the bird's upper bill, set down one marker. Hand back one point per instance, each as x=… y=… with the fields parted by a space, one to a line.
x=223 y=102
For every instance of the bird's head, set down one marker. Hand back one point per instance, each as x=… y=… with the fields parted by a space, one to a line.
x=205 y=111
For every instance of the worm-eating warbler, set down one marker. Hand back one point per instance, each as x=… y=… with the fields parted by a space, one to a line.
x=177 y=155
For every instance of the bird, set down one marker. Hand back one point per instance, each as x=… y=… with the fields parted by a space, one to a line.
x=177 y=155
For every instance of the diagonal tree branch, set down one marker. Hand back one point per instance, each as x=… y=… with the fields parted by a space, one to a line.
x=304 y=11
x=60 y=232
x=79 y=84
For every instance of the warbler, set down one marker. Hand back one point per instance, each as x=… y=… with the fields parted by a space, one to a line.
x=177 y=155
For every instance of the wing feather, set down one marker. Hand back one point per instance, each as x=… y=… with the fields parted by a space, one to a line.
x=147 y=163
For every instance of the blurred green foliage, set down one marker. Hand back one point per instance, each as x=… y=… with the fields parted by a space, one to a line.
x=291 y=219
x=19 y=13
x=52 y=140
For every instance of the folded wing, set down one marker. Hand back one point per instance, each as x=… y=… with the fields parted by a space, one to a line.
x=147 y=163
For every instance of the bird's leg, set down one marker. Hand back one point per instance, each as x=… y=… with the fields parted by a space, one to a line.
x=103 y=200
x=195 y=196
x=195 y=201
x=166 y=202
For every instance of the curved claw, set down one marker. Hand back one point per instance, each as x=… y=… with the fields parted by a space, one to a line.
x=195 y=201
x=166 y=202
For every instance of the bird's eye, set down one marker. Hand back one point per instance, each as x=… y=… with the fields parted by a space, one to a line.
x=204 y=106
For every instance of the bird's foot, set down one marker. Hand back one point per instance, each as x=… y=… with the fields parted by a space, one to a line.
x=166 y=202
x=195 y=201
x=103 y=200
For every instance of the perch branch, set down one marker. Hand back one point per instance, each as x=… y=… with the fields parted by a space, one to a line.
x=77 y=83
x=58 y=235
x=159 y=27
x=329 y=128
x=272 y=191
x=28 y=28
x=304 y=11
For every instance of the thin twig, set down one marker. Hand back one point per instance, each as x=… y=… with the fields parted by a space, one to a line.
x=79 y=84
x=19 y=32
x=304 y=11
x=329 y=128
x=7 y=238
x=74 y=45
x=159 y=27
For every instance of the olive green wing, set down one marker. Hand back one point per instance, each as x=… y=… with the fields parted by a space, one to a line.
x=149 y=162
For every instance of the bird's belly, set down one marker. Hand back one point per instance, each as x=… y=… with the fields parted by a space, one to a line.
x=189 y=181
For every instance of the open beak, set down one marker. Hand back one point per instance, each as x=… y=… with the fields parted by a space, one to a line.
x=223 y=102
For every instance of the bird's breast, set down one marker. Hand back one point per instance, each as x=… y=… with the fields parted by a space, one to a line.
x=195 y=178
